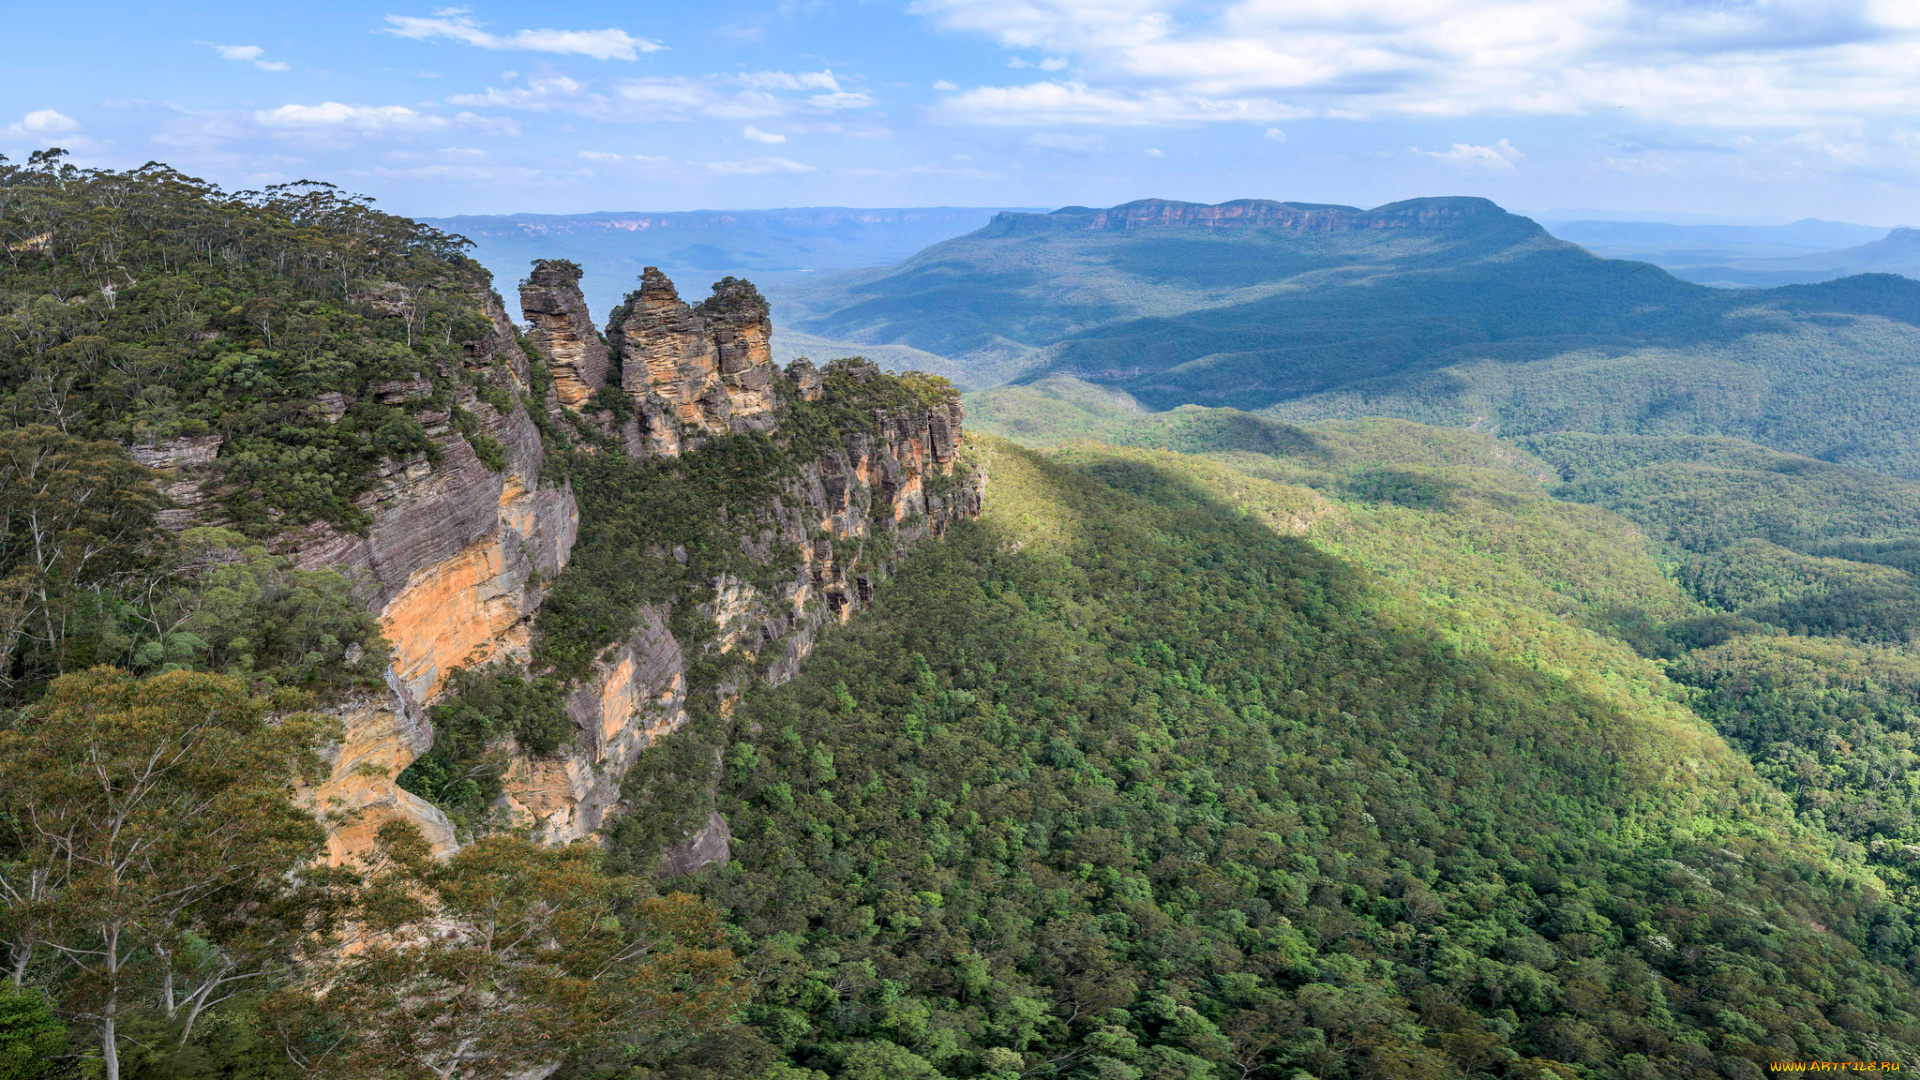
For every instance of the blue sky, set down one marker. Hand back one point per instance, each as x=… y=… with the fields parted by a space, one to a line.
x=1763 y=110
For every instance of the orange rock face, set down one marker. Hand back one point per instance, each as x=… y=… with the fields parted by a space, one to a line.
x=474 y=606
x=450 y=564
x=360 y=795
x=638 y=694
x=694 y=372
x=561 y=328
x=457 y=554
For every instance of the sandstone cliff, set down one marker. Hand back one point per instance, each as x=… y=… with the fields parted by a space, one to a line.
x=451 y=562
x=851 y=514
x=464 y=544
x=694 y=372
x=562 y=329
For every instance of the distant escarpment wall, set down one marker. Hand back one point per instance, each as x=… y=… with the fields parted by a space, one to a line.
x=1258 y=214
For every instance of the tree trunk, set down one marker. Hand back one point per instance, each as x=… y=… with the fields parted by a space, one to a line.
x=22 y=954
x=108 y=1051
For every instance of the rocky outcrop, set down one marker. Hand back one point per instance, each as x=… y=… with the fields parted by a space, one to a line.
x=382 y=737
x=694 y=372
x=463 y=541
x=638 y=694
x=852 y=514
x=562 y=329
x=454 y=562
x=455 y=547
x=182 y=465
x=711 y=846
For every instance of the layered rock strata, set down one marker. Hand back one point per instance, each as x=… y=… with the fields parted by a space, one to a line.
x=694 y=372
x=562 y=329
x=452 y=562
x=852 y=515
x=457 y=553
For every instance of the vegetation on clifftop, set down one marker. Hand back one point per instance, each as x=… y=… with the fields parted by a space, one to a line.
x=1124 y=781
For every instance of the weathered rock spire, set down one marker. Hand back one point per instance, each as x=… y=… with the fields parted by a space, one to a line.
x=694 y=372
x=561 y=327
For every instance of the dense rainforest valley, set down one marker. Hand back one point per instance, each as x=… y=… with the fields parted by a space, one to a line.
x=398 y=683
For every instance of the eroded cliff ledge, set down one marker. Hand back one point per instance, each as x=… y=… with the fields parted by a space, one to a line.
x=453 y=562
x=465 y=545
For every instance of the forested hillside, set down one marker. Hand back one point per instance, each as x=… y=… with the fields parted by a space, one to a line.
x=1222 y=748
x=1448 y=311
x=1321 y=758
x=263 y=335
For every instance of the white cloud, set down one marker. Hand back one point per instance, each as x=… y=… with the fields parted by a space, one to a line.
x=334 y=115
x=1078 y=103
x=1153 y=151
x=44 y=122
x=454 y=25
x=1757 y=62
x=789 y=80
x=603 y=157
x=944 y=85
x=750 y=96
x=844 y=99
x=1276 y=135
x=1500 y=155
x=1045 y=140
x=762 y=167
x=759 y=136
x=1051 y=63
x=250 y=54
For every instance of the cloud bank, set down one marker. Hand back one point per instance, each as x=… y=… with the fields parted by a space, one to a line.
x=1739 y=63
x=453 y=24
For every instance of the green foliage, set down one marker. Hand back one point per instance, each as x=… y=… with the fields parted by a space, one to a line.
x=77 y=517
x=657 y=529
x=241 y=610
x=87 y=577
x=638 y=520
x=478 y=708
x=535 y=952
x=1124 y=778
x=31 y=1036
x=1052 y=410
x=1832 y=723
x=146 y=305
x=150 y=853
x=1455 y=313
x=1836 y=387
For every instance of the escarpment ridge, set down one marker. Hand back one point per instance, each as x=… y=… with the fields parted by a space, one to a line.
x=460 y=557
x=1426 y=213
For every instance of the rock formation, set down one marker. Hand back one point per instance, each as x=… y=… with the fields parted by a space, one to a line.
x=450 y=563
x=694 y=372
x=852 y=514
x=562 y=329
x=457 y=553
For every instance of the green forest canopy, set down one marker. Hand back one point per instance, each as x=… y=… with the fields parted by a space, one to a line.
x=1245 y=749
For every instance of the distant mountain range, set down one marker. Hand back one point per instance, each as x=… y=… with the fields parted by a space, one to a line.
x=1752 y=256
x=1447 y=310
x=699 y=246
